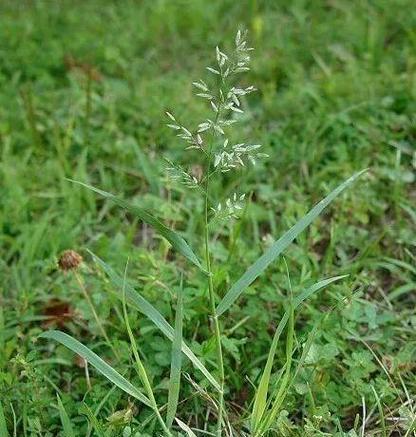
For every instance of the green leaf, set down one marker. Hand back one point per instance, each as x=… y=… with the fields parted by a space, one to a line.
x=260 y=399
x=176 y=362
x=185 y=428
x=94 y=423
x=141 y=370
x=380 y=412
x=3 y=426
x=146 y=308
x=177 y=242
x=104 y=368
x=279 y=246
x=66 y=422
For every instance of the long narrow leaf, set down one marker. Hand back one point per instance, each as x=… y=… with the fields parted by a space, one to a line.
x=93 y=421
x=380 y=412
x=176 y=362
x=277 y=402
x=279 y=246
x=283 y=385
x=66 y=422
x=306 y=349
x=104 y=368
x=260 y=400
x=146 y=308
x=141 y=370
x=185 y=428
x=3 y=426
x=177 y=242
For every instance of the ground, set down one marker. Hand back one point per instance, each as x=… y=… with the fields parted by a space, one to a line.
x=84 y=87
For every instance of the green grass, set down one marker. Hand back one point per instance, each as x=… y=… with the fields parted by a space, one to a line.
x=83 y=91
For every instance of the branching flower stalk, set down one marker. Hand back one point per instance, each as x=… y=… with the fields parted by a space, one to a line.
x=94 y=313
x=219 y=156
x=217 y=330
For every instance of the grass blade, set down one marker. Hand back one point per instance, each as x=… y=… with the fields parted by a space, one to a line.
x=93 y=421
x=3 y=426
x=264 y=426
x=66 y=422
x=176 y=362
x=104 y=368
x=279 y=246
x=177 y=242
x=260 y=399
x=185 y=428
x=146 y=308
x=141 y=370
x=380 y=412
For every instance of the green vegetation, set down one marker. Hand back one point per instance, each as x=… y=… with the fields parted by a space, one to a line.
x=288 y=320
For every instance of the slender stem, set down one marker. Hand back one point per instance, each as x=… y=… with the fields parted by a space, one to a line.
x=88 y=105
x=97 y=319
x=145 y=380
x=141 y=370
x=87 y=374
x=217 y=331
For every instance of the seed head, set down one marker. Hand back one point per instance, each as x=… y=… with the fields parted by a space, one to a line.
x=226 y=99
x=69 y=260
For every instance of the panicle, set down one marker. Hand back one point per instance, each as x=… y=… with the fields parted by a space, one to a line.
x=226 y=101
x=177 y=173
x=231 y=207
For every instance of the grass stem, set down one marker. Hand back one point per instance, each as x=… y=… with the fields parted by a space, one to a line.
x=97 y=319
x=139 y=364
x=217 y=331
